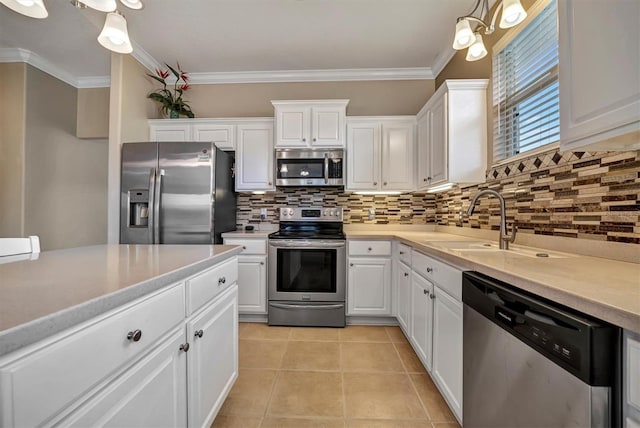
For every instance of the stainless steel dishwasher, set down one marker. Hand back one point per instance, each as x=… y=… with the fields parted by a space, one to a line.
x=529 y=362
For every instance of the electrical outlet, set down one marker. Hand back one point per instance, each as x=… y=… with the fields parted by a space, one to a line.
x=263 y=213
x=372 y=213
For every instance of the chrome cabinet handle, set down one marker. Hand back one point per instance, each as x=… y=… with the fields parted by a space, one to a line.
x=425 y=180
x=375 y=183
x=351 y=264
x=185 y=347
x=304 y=140
x=244 y=247
x=433 y=296
x=429 y=178
x=424 y=291
x=198 y=333
x=135 y=335
x=384 y=184
x=429 y=270
x=401 y=252
x=269 y=183
x=222 y=280
x=262 y=263
x=406 y=274
x=369 y=248
x=314 y=139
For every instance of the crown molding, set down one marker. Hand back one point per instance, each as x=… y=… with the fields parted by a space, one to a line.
x=35 y=60
x=337 y=75
x=442 y=60
x=145 y=58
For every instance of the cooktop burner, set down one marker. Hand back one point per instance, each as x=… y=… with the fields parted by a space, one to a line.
x=309 y=223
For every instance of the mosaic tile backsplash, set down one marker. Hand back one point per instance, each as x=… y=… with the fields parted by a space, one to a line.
x=571 y=194
x=580 y=195
x=416 y=208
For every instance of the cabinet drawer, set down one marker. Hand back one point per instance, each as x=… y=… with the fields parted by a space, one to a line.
x=65 y=368
x=249 y=246
x=369 y=248
x=404 y=254
x=447 y=277
x=205 y=286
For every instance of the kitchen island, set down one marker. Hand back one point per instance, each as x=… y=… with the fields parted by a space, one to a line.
x=103 y=335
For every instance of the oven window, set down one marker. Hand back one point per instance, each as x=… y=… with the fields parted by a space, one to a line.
x=306 y=271
x=300 y=168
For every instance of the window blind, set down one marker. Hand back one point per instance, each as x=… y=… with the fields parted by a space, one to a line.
x=525 y=88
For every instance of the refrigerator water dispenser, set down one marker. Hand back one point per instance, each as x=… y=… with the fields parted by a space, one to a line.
x=138 y=208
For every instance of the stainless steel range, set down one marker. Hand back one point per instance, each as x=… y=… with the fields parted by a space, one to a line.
x=307 y=268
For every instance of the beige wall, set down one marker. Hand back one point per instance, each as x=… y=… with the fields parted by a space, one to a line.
x=12 y=128
x=366 y=98
x=93 y=113
x=65 y=177
x=136 y=108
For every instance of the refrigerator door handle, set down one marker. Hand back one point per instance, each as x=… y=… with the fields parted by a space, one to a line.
x=156 y=206
x=151 y=209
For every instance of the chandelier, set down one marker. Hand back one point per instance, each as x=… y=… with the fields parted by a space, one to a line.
x=114 y=35
x=512 y=14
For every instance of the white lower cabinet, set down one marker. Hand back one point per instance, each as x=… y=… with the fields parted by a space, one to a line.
x=403 y=290
x=212 y=358
x=631 y=380
x=447 y=348
x=369 y=286
x=252 y=274
x=422 y=318
x=151 y=393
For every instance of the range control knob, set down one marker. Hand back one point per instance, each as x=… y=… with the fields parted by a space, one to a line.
x=327 y=212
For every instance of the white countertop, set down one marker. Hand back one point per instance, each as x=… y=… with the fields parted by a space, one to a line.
x=606 y=289
x=65 y=287
x=243 y=234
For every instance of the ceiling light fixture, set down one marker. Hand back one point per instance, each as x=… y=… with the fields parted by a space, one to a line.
x=512 y=14
x=30 y=8
x=114 y=35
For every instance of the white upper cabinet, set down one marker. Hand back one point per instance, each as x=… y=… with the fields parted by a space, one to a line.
x=452 y=134
x=599 y=74
x=223 y=136
x=308 y=124
x=168 y=130
x=381 y=154
x=254 y=157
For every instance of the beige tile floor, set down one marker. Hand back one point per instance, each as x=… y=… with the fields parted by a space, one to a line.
x=356 y=377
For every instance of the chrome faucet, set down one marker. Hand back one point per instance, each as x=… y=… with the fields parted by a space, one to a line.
x=505 y=239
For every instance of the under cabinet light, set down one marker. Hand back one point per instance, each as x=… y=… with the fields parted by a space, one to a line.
x=30 y=8
x=441 y=188
x=377 y=193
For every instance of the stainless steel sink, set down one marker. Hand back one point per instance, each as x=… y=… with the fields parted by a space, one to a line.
x=471 y=247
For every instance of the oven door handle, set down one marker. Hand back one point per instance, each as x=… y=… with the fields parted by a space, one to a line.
x=305 y=245
x=285 y=306
x=326 y=168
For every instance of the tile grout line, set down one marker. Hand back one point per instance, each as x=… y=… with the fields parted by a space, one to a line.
x=344 y=395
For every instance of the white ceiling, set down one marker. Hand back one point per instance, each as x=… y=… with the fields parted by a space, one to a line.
x=209 y=36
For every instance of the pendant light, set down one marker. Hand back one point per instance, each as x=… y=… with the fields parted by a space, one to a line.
x=30 y=8
x=132 y=4
x=477 y=50
x=512 y=14
x=114 y=35
x=101 y=5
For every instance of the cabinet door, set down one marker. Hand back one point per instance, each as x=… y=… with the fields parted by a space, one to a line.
x=369 y=286
x=631 y=382
x=438 y=143
x=421 y=324
x=398 y=156
x=447 y=349
x=293 y=126
x=153 y=393
x=223 y=136
x=254 y=157
x=363 y=156
x=403 y=282
x=252 y=284
x=327 y=125
x=589 y=112
x=424 y=135
x=212 y=360
x=170 y=132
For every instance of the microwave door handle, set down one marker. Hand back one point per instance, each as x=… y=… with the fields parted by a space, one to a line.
x=326 y=168
x=151 y=209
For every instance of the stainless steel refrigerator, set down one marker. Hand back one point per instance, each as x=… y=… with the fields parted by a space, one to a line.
x=176 y=193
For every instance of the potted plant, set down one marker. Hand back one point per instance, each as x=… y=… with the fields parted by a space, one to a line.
x=171 y=102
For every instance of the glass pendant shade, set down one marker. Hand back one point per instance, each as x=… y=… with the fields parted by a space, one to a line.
x=30 y=8
x=512 y=13
x=464 y=36
x=114 y=35
x=101 y=5
x=477 y=50
x=132 y=4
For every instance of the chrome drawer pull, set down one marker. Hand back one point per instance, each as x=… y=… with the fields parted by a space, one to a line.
x=198 y=333
x=429 y=270
x=185 y=347
x=222 y=280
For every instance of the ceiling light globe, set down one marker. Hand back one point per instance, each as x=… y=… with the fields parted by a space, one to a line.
x=477 y=50
x=464 y=36
x=101 y=5
x=133 y=4
x=30 y=8
x=512 y=13
x=114 y=35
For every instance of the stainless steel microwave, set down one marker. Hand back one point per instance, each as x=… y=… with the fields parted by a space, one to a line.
x=309 y=167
